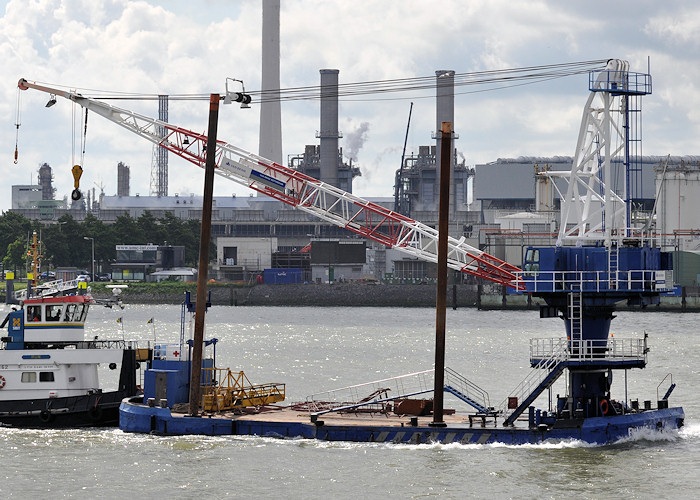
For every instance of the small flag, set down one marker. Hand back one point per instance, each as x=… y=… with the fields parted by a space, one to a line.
x=119 y=319
x=149 y=321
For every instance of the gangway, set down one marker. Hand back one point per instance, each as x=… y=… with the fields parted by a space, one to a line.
x=305 y=193
x=49 y=289
x=374 y=396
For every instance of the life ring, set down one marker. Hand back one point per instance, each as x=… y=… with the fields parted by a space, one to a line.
x=604 y=407
x=45 y=416
x=2 y=381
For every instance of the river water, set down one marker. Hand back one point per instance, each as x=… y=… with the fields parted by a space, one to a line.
x=317 y=349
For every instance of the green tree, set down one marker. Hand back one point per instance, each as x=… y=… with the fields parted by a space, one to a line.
x=126 y=231
x=150 y=229
x=12 y=226
x=16 y=255
x=104 y=237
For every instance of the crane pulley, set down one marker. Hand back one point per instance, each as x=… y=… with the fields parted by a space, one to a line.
x=303 y=192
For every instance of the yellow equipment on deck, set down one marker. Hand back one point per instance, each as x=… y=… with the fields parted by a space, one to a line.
x=224 y=390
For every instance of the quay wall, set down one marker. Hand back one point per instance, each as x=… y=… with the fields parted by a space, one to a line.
x=374 y=295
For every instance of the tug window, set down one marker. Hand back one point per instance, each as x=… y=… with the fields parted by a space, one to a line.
x=46 y=377
x=34 y=313
x=70 y=312
x=53 y=312
x=81 y=311
x=75 y=312
x=28 y=376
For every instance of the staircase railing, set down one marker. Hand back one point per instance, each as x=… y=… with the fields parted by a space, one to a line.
x=467 y=391
x=535 y=378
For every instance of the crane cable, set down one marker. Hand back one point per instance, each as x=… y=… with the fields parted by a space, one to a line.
x=84 y=140
x=492 y=79
x=17 y=122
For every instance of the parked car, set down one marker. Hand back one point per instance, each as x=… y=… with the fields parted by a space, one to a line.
x=104 y=277
x=48 y=275
x=83 y=277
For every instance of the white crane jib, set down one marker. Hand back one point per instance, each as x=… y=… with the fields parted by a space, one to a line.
x=305 y=193
x=591 y=208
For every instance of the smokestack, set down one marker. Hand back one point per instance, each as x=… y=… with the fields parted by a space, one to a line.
x=122 y=179
x=328 y=134
x=445 y=112
x=46 y=182
x=270 y=145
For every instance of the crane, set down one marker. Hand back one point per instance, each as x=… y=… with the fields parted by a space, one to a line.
x=301 y=191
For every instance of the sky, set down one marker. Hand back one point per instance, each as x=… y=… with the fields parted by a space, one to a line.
x=185 y=47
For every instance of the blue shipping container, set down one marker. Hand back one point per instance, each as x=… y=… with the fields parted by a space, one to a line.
x=282 y=276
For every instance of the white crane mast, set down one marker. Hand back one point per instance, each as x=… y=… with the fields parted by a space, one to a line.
x=591 y=209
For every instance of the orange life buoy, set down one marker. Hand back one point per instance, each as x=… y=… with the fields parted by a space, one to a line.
x=2 y=381
x=604 y=406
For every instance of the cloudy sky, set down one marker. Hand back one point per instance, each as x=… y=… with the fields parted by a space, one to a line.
x=181 y=46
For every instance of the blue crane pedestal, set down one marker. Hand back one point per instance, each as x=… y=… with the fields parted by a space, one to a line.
x=582 y=285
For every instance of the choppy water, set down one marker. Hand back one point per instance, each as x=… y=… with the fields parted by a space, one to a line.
x=316 y=349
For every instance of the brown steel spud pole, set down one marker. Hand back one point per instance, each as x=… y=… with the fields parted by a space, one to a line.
x=441 y=294
x=205 y=235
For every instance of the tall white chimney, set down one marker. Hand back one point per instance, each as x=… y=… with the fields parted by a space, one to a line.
x=270 y=145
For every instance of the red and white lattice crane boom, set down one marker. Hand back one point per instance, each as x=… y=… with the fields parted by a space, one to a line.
x=305 y=193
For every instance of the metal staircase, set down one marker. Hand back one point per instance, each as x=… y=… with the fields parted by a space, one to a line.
x=613 y=259
x=575 y=313
x=542 y=376
x=467 y=391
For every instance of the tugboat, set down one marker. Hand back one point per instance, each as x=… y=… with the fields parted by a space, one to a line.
x=49 y=371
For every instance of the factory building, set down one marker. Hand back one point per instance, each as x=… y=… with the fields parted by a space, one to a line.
x=325 y=161
x=417 y=184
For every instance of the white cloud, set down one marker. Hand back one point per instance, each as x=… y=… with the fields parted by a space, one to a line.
x=681 y=27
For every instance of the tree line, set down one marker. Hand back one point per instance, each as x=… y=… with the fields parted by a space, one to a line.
x=63 y=242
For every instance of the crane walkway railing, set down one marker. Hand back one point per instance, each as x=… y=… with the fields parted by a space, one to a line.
x=595 y=281
x=612 y=349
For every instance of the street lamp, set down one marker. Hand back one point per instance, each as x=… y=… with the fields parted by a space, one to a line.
x=92 y=242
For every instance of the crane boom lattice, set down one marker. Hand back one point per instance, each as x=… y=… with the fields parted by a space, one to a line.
x=303 y=192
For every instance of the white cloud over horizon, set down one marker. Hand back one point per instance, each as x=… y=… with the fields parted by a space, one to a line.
x=180 y=47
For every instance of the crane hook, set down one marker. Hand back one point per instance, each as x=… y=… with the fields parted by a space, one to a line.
x=77 y=172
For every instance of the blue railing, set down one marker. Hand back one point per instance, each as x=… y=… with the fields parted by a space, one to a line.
x=619 y=82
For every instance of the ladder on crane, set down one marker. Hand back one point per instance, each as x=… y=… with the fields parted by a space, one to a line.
x=303 y=192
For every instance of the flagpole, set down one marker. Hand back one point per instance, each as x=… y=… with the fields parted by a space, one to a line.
x=153 y=326
x=121 y=326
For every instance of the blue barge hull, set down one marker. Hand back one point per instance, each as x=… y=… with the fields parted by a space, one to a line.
x=289 y=423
